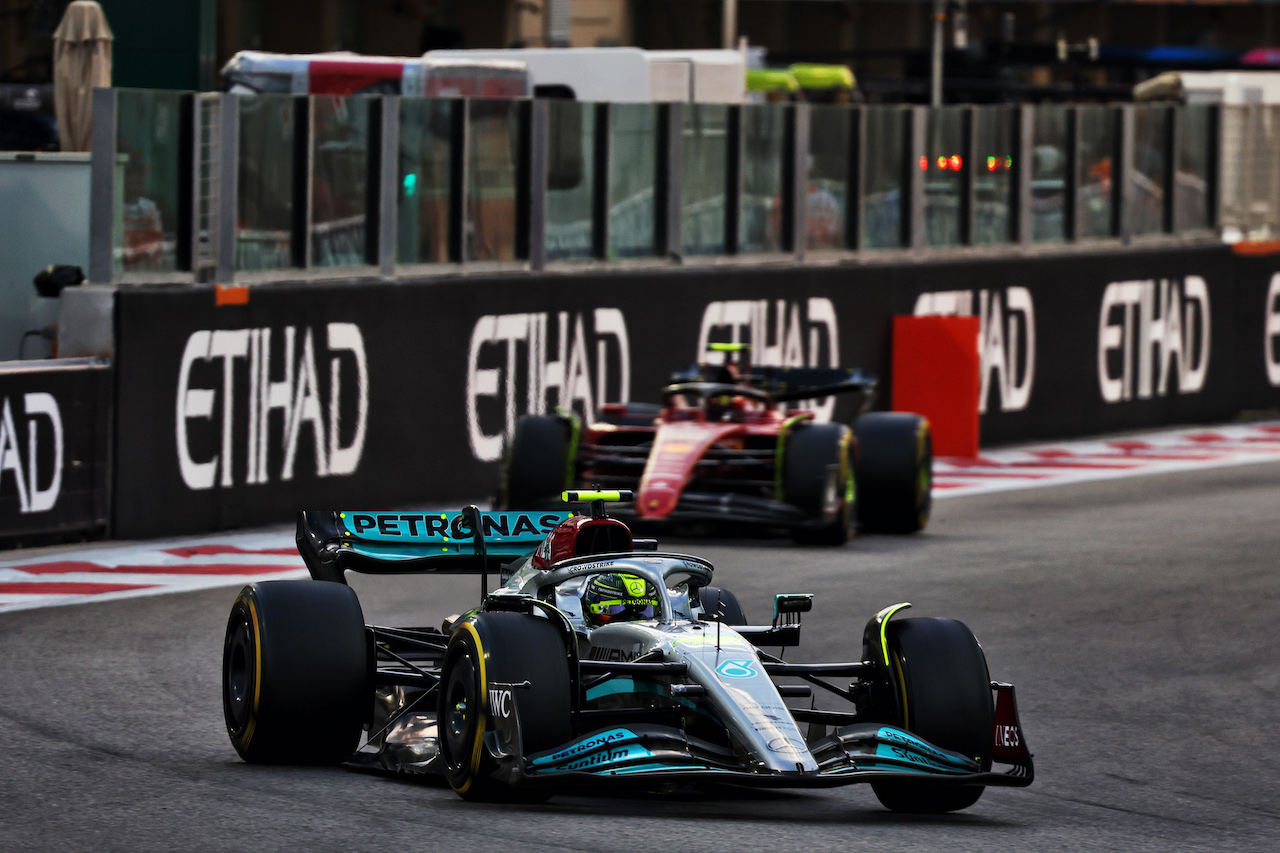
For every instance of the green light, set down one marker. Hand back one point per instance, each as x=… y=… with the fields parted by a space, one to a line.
x=1008 y=162
x=410 y=183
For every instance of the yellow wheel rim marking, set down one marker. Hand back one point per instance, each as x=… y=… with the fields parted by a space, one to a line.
x=257 y=674
x=481 y=719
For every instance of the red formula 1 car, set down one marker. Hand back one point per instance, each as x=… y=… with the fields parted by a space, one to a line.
x=722 y=446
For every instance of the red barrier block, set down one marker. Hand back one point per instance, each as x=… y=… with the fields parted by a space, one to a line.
x=936 y=373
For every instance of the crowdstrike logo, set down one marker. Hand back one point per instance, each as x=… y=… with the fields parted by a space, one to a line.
x=280 y=374
x=1149 y=332
x=1006 y=339
x=536 y=363
x=37 y=490
x=782 y=333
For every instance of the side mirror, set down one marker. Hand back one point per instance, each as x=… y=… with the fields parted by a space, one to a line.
x=788 y=606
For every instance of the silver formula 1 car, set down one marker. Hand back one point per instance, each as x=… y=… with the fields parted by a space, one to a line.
x=599 y=659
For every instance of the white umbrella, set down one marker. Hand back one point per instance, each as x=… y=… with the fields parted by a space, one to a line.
x=81 y=63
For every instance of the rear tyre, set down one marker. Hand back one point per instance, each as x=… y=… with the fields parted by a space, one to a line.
x=536 y=464
x=894 y=472
x=487 y=652
x=721 y=605
x=296 y=686
x=816 y=476
x=945 y=698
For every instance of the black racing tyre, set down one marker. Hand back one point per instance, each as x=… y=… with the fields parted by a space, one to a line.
x=721 y=605
x=636 y=414
x=815 y=462
x=944 y=697
x=894 y=472
x=296 y=673
x=488 y=651
x=536 y=464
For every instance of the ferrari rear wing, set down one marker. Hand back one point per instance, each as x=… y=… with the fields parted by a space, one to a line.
x=332 y=542
x=788 y=384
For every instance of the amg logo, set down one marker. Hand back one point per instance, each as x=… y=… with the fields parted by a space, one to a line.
x=618 y=655
x=335 y=422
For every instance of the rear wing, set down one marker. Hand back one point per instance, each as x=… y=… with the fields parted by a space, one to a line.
x=469 y=542
x=785 y=384
x=788 y=384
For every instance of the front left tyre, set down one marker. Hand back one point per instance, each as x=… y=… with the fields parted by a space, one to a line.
x=520 y=662
x=944 y=696
x=296 y=673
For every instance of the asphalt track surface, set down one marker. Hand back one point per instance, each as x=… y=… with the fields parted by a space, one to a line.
x=1138 y=617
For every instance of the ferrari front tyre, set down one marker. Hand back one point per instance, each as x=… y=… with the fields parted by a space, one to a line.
x=817 y=478
x=944 y=696
x=296 y=674
x=518 y=660
x=536 y=468
x=894 y=472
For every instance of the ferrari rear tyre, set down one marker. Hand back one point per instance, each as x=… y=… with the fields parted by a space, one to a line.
x=721 y=605
x=536 y=464
x=816 y=475
x=894 y=472
x=487 y=653
x=636 y=414
x=944 y=697
x=296 y=673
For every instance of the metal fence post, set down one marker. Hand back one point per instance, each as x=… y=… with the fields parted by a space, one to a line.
x=795 y=178
x=300 y=227
x=1213 y=168
x=667 y=203
x=457 y=239
x=602 y=156
x=968 y=174
x=102 y=188
x=384 y=174
x=1173 y=129
x=226 y=205
x=531 y=190
x=857 y=178
x=1071 y=186
x=1122 y=175
x=912 y=213
x=1024 y=151
x=733 y=179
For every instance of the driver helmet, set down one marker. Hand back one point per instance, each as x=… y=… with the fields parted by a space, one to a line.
x=618 y=597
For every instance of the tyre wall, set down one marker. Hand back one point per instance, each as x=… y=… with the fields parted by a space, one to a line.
x=314 y=395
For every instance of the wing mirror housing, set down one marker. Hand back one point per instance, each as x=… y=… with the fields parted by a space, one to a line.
x=787 y=607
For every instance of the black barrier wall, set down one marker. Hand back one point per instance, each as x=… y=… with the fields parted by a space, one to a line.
x=1258 y=330
x=383 y=394
x=55 y=419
